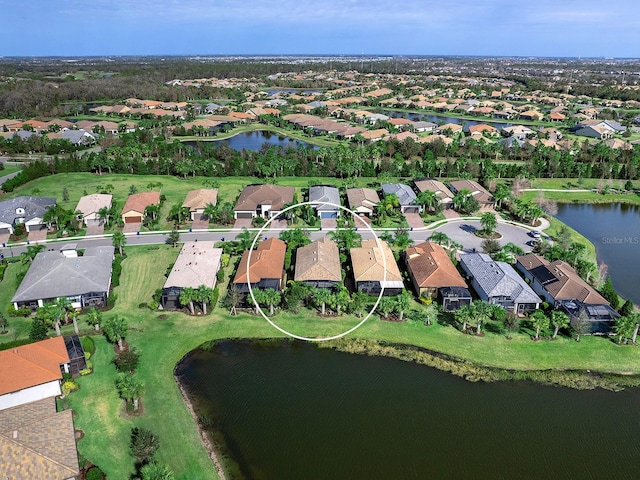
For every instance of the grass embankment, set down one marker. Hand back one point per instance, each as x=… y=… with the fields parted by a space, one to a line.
x=321 y=141
x=9 y=169
x=569 y=195
x=163 y=342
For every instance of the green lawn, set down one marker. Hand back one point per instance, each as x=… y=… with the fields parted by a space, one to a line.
x=163 y=342
x=8 y=169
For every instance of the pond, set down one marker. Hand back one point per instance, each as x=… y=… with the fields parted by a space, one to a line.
x=429 y=117
x=293 y=410
x=614 y=229
x=254 y=141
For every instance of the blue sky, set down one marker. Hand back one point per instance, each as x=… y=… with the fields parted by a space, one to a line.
x=609 y=28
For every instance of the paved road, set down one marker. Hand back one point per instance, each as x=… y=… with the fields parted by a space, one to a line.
x=463 y=232
x=7 y=177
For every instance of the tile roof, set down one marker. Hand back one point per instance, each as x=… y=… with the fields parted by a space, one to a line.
x=432 y=267
x=93 y=203
x=37 y=443
x=498 y=279
x=254 y=195
x=34 y=207
x=477 y=190
x=139 y=201
x=560 y=280
x=322 y=196
x=404 y=192
x=53 y=275
x=197 y=264
x=197 y=199
x=433 y=185
x=362 y=198
x=319 y=260
x=30 y=365
x=368 y=265
x=267 y=261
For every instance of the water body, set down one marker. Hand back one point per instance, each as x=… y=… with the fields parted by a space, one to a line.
x=614 y=229
x=299 y=412
x=427 y=117
x=254 y=141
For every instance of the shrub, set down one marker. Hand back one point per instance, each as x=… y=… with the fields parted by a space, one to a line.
x=144 y=444
x=111 y=301
x=127 y=361
x=220 y=275
x=20 y=312
x=88 y=345
x=38 y=330
x=68 y=387
x=3 y=267
x=67 y=377
x=224 y=259
x=89 y=365
x=143 y=305
x=116 y=270
x=85 y=371
x=153 y=305
x=14 y=343
x=94 y=473
x=214 y=298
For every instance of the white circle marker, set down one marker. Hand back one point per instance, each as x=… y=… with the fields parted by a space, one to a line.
x=317 y=339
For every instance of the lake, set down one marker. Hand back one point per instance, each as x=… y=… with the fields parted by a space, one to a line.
x=294 y=411
x=255 y=140
x=429 y=117
x=614 y=229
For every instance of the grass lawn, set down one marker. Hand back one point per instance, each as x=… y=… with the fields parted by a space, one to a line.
x=163 y=342
x=8 y=169
x=583 y=197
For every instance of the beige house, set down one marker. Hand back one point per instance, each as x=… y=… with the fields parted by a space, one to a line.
x=318 y=264
x=374 y=268
x=363 y=201
x=90 y=205
x=197 y=200
x=133 y=210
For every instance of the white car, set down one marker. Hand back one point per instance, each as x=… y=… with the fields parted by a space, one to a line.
x=535 y=233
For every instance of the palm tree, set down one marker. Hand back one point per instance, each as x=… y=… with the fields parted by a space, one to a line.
x=129 y=388
x=245 y=239
x=94 y=318
x=272 y=297
x=403 y=302
x=489 y=223
x=104 y=215
x=30 y=253
x=463 y=316
x=502 y=192
x=558 y=320
x=402 y=239
x=187 y=296
x=429 y=200
x=115 y=330
x=295 y=238
x=321 y=297
x=511 y=323
x=539 y=321
x=346 y=238
x=205 y=295
x=119 y=241
x=358 y=303
x=341 y=299
x=386 y=306
x=156 y=471
x=55 y=312
x=210 y=211
x=480 y=312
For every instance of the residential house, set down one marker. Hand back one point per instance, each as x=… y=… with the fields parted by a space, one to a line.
x=197 y=264
x=595 y=131
x=445 y=196
x=83 y=280
x=266 y=268
x=532 y=115
x=484 y=198
x=197 y=201
x=325 y=200
x=406 y=196
x=37 y=442
x=318 y=264
x=518 y=131
x=375 y=268
x=559 y=284
x=483 y=129
x=133 y=210
x=454 y=128
x=434 y=275
x=422 y=126
x=262 y=201
x=24 y=210
x=498 y=283
x=363 y=201
x=32 y=372
x=401 y=123
x=89 y=207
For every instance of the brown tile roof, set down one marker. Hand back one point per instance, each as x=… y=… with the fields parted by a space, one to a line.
x=319 y=260
x=37 y=443
x=400 y=121
x=254 y=195
x=482 y=128
x=362 y=197
x=368 y=265
x=200 y=198
x=442 y=192
x=139 y=201
x=374 y=134
x=30 y=365
x=267 y=261
x=432 y=267
x=561 y=280
x=477 y=190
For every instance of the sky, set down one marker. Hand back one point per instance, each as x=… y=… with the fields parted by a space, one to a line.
x=568 y=28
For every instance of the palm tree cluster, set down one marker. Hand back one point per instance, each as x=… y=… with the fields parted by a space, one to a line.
x=398 y=305
x=203 y=295
x=62 y=219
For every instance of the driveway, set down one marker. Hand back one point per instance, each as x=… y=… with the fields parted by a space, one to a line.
x=450 y=213
x=242 y=223
x=414 y=220
x=278 y=224
x=462 y=232
x=95 y=230
x=131 y=227
x=37 y=235
x=4 y=238
x=201 y=222
x=328 y=223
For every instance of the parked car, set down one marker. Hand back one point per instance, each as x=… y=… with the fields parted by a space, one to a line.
x=535 y=233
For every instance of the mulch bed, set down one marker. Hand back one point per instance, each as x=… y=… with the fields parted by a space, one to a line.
x=391 y=318
x=125 y=347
